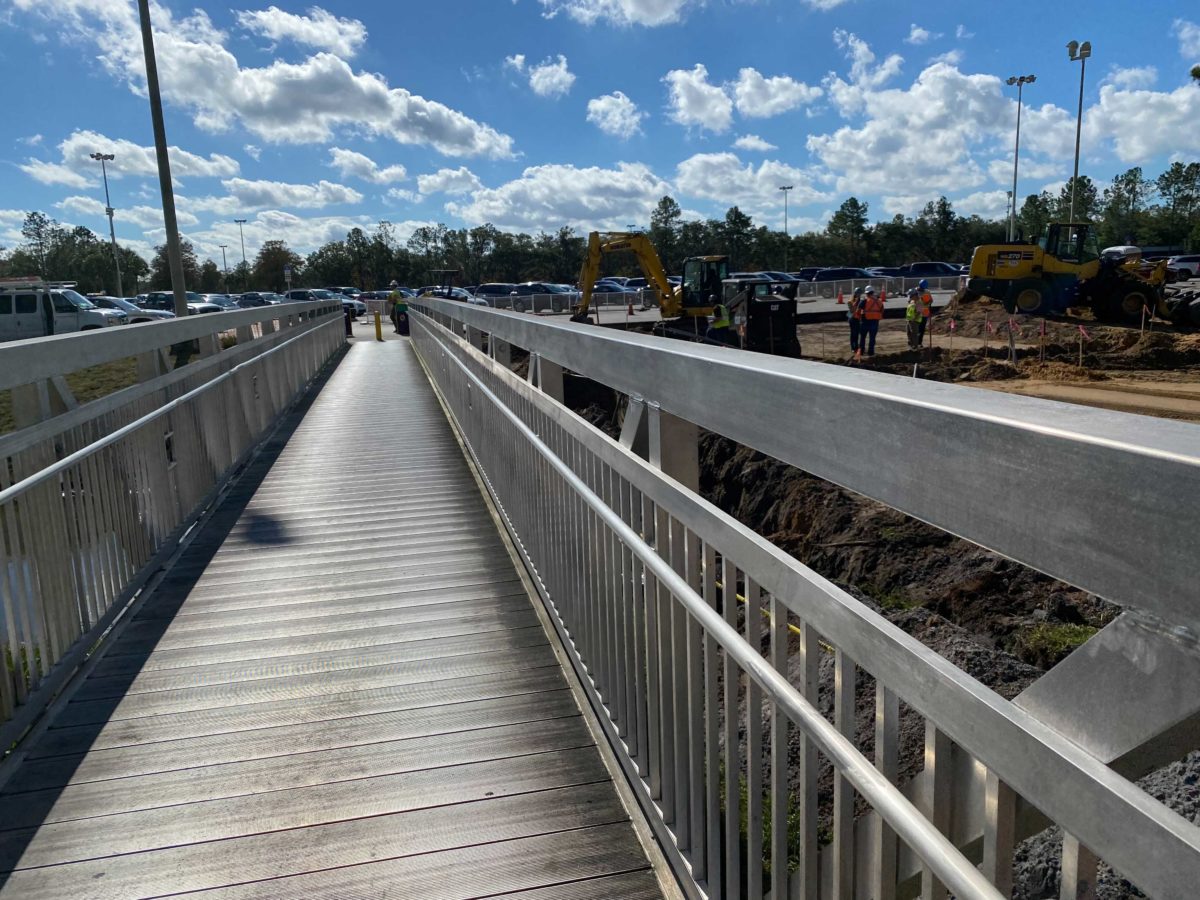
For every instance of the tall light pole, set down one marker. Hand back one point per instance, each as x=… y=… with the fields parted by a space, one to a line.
x=174 y=255
x=786 y=240
x=103 y=158
x=242 y=235
x=1081 y=52
x=1020 y=82
x=224 y=268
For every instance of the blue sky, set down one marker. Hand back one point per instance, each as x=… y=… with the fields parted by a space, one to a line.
x=532 y=114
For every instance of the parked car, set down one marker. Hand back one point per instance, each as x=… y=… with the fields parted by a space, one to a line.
x=615 y=279
x=255 y=299
x=131 y=309
x=348 y=291
x=224 y=301
x=31 y=308
x=884 y=271
x=197 y=305
x=497 y=293
x=929 y=270
x=451 y=293
x=1188 y=266
x=807 y=273
x=303 y=295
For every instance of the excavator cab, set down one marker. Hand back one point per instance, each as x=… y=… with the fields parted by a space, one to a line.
x=702 y=284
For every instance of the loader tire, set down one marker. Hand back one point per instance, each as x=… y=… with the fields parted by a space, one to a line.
x=1129 y=300
x=1027 y=296
x=1194 y=312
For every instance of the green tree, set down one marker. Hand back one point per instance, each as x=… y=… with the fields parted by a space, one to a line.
x=1179 y=189
x=211 y=280
x=36 y=229
x=848 y=226
x=160 y=270
x=329 y=264
x=736 y=233
x=1125 y=200
x=1087 y=201
x=664 y=233
x=272 y=258
x=1036 y=213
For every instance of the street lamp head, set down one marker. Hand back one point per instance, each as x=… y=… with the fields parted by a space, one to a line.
x=1085 y=49
x=106 y=157
x=1028 y=79
x=1073 y=49
x=1011 y=80
x=786 y=187
x=239 y=221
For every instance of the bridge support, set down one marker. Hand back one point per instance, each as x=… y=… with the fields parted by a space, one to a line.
x=43 y=399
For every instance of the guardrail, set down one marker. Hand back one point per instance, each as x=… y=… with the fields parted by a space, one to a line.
x=640 y=575
x=92 y=500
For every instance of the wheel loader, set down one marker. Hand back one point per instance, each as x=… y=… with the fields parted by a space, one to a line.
x=1064 y=269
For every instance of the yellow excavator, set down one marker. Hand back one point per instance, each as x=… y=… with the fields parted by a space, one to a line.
x=1064 y=269
x=686 y=306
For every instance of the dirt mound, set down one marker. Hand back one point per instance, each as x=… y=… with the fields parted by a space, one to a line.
x=1053 y=370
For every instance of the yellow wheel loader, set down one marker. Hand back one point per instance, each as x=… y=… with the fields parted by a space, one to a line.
x=1064 y=269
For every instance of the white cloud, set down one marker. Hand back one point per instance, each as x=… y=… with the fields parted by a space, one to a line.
x=694 y=101
x=551 y=79
x=1188 y=35
x=1133 y=78
x=549 y=196
x=918 y=35
x=825 y=5
x=850 y=97
x=516 y=61
x=985 y=204
x=1144 y=124
x=139 y=216
x=54 y=173
x=449 y=181
x=32 y=140
x=268 y=194
x=403 y=195
x=753 y=142
x=77 y=167
x=962 y=34
x=615 y=114
x=950 y=58
x=759 y=97
x=351 y=164
x=283 y=102
x=620 y=12
x=1000 y=170
x=723 y=178
x=319 y=29
x=252 y=151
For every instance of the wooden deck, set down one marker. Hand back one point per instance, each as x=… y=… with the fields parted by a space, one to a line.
x=341 y=689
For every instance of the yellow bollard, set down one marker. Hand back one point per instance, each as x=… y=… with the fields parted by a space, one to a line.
x=378 y=327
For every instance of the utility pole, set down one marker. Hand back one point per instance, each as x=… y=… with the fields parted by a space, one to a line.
x=1020 y=83
x=1081 y=52
x=174 y=254
x=103 y=158
x=224 y=268
x=245 y=265
x=786 y=239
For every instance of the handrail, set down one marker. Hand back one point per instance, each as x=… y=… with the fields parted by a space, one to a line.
x=1116 y=509
x=29 y=360
x=947 y=862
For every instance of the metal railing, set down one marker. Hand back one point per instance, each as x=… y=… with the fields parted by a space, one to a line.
x=92 y=499
x=712 y=705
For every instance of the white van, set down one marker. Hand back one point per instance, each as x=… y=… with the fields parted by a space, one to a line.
x=32 y=308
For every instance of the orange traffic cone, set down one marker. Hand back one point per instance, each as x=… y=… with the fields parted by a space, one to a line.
x=883 y=294
x=840 y=298
x=629 y=311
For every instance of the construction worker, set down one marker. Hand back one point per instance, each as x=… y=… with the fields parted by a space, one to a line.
x=872 y=307
x=854 y=316
x=926 y=308
x=719 y=330
x=913 y=319
x=397 y=311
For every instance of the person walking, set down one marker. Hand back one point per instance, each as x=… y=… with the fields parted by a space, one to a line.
x=926 y=302
x=854 y=315
x=719 y=330
x=912 y=319
x=872 y=307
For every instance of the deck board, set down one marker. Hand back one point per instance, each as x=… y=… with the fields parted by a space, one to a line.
x=340 y=689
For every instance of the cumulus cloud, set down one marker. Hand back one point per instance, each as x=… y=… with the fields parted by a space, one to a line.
x=319 y=29
x=759 y=97
x=1142 y=124
x=1188 y=35
x=54 y=173
x=865 y=76
x=245 y=195
x=252 y=151
x=962 y=34
x=985 y=204
x=620 y=12
x=753 y=142
x=1133 y=78
x=551 y=79
x=283 y=102
x=723 y=178
x=547 y=197
x=139 y=216
x=449 y=181
x=950 y=58
x=918 y=35
x=694 y=101
x=615 y=114
x=351 y=164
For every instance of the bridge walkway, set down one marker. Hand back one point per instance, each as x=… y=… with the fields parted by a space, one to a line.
x=339 y=689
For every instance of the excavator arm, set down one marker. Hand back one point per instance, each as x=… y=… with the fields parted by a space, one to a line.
x=601 y=242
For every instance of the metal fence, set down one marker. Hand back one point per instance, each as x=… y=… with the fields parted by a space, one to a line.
x=90 y=499
x=701 y=644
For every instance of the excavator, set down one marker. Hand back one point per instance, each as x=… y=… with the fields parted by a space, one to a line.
x=763 y=326
x=1065 y=268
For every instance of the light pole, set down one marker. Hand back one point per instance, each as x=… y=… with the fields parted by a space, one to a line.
x=1020 y=82
x=174 y=256
x=1081 y=52
x=785 y=188
x=224 y=268
x=103 y=158
x=242 y=235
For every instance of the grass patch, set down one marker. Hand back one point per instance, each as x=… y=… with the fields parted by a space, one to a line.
x=1047 y=643
x=87 y=384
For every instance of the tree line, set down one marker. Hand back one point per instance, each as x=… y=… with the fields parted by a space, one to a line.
x=1131 y=209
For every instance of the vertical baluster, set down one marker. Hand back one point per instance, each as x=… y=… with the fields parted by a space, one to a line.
x=779 y=757
x=694 y=706
x=887 y=760
x=733 y=764
x=679 y=691
x=754 y=749
x=843 y=792
x=1078 y=870
x=712 y=725
x=653 y=658
x=999 y=833
x=641 y=666
x=663 y=604
x=938 y=781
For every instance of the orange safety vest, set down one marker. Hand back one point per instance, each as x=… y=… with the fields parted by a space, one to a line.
x=926 y=305
x=856 y=307
x=873 y=308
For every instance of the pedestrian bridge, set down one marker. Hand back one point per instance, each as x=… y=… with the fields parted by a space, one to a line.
x=305 y=617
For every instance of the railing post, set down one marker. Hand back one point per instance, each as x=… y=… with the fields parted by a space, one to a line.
x=674 y=446
x=1078 y=871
